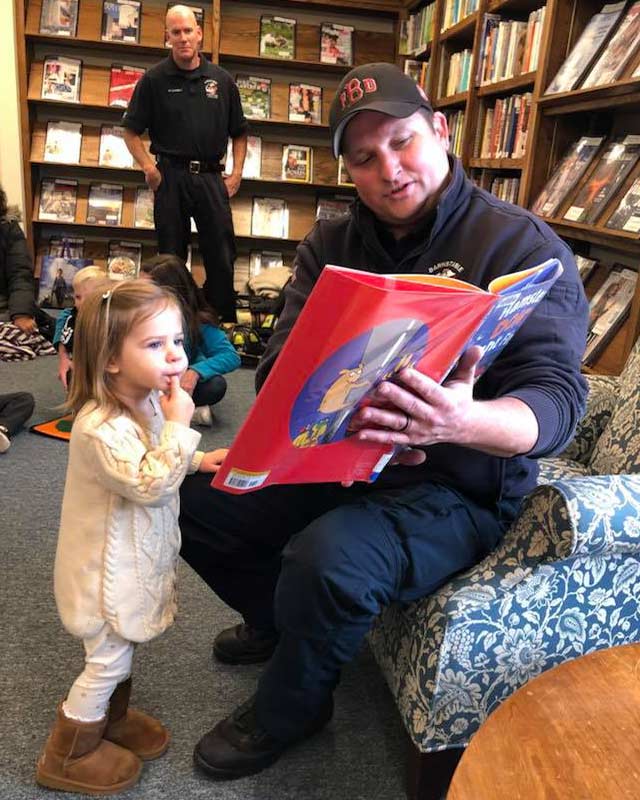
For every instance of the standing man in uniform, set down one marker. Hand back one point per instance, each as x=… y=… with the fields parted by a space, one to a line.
x=190 y=108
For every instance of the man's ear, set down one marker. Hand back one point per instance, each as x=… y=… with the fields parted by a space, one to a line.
x=440 y=127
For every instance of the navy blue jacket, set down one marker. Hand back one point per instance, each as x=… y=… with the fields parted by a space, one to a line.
x=474 y=237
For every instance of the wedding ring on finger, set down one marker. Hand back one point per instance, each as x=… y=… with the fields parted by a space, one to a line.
x=407 y=422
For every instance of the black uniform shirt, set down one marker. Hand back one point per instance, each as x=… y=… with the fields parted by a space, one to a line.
x=189 y=113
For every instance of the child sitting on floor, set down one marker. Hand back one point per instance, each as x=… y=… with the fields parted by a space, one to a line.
x=115 y=570
x=210 y=353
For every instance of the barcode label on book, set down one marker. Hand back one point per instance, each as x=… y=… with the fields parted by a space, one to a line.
x=239 y=479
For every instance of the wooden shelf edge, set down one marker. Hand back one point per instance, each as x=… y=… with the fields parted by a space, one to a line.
x=122 y=49
x=496 y=163
x=462 y=28
x=453 y=100
x=508 y=85
x=287 y=63
x=598 y=97
x=621 y=240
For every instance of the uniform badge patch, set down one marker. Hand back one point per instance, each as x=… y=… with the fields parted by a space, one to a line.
x=448 y=269
x=211 y=88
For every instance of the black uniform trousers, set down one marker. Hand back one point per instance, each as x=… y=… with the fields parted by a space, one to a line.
x=15 y=410
x=319 y=562
x=203 y=196
x=210 y=392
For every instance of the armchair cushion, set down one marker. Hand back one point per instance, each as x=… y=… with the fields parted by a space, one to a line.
x=603 y=394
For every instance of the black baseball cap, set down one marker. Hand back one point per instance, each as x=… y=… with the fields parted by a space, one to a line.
x=373 y=87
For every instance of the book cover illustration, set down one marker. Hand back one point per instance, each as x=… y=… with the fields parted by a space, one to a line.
x=626 y=216
x=270 y=217
x=586 y=49
x=252 y=166
x=356 y=330
x=296 y=163
x=333 y=207
x=618 y=51
x=277 y=37
x=305 y=103
x=344 y=179
x=616 y=163
x=260 y=260
x=198 y=13
x=143 y=208
x=255 y=96
x=61 y=79
x=336 y=44
x=55 y=285
x=59 y=17
x=104 y=206
x=66 y=247
x=62 y=142
x=585 y=266
x=121 y=21
x=123 y=260
x=608 y=309
x=566 y=175
x=113 y=150
x=58 y=198
x=122 y=82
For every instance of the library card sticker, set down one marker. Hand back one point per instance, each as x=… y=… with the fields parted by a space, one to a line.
x=211 y=88
x=241 y=479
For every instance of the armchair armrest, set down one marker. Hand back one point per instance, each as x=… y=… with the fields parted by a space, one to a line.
x=603 y=393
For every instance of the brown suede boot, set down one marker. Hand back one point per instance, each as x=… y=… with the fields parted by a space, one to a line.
x=135 y=730
x=77 y=759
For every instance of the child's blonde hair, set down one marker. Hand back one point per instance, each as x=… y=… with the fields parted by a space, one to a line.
x=104 y=322
x=89 y=274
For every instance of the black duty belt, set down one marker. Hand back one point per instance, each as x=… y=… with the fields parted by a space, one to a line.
x=194 y=166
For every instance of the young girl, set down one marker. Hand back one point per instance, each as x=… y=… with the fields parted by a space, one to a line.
x=115 y=569
x=210 y=353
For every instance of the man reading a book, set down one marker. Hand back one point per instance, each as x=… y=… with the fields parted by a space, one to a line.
x=190 y=108
x=309 y=567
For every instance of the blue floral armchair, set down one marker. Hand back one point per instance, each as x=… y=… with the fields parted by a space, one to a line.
x=564 y=581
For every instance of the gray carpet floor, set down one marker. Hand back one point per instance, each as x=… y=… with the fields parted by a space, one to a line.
x=361 y=754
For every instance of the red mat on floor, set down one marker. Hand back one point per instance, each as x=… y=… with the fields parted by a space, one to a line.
x=58 y=428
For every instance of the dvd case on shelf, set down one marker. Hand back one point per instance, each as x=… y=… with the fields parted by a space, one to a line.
x=66 y=247
x=270 y=217
x=58 y=198
x=608 y=309
x=344 y=179
x=305 y=103
x=616 y=162
x=61 y=79
x=296 y=163
x=62 y=142
x=335 y=207
x=113 y=150
x=104 y=206
x=121 y=21
x=618 y=51
x=198 y=13
x=253 y=159
x=255 y=96
x=277 y=37
x=122 y=82
x=626 y=216
x=336 y=44
x=123 y=259
x=59 y=17
x=263 y=259
x=55 y=284
x=566 y=175
x=585 y=266
x=143 y=209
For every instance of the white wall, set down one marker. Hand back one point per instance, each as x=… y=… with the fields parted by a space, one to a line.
x=11 y=175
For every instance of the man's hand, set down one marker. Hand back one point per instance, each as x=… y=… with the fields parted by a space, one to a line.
x=232 y=183
x=212 y=461
x=176 y=404
x=153 y=178
x=25 y=323
x=189 y=380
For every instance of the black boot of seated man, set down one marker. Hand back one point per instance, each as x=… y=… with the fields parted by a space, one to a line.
x=243 y=644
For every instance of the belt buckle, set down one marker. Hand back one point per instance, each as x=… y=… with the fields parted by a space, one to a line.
x=194 y=167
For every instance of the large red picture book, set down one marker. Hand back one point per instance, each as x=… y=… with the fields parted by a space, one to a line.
x=356 y=329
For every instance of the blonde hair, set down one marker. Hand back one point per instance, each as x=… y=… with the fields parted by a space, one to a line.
x=104 y=322
x=88 y=274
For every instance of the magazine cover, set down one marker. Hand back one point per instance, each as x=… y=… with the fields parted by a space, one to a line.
x=296 y=163
x=62 y=142
x=608 y=309
x=143 y=209
x=55 y=285
x=616 y=163
x=566 y=175
x=255 y=96
x=270 y=217
x=586 y=49
x=277 y=37
x=59 y=17
x=252 y=161
x=104 y=206
x=585 y=266
x=113 y=150
x=333 y=207
x=58 y=199
x=297 y=430
x=263 y=259
x=122 y=82
x=198 y=13
x=123 y=260
x=71 y=247
x=618 y=51
x=344 y=179
x=626 y=217
x=305 y=103
x=336 y=44
x=121 y=21
x=61 y=79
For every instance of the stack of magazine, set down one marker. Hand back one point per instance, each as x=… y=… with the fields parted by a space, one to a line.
x=62 y=142
x=608 y=309
x=270 y=217
x=104 y=206
x=255 y=96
